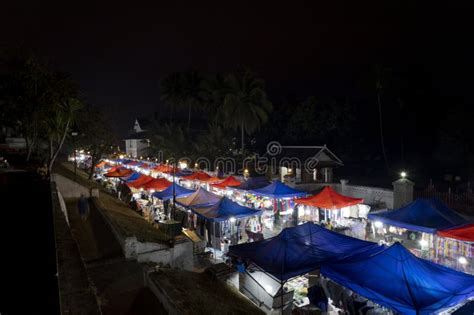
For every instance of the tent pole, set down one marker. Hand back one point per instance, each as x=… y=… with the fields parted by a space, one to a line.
x=281 y=296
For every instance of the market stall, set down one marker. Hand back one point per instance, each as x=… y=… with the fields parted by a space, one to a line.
x=157 y=184
x=239 y=192
x=220 y=187
x=140 y=182
x=415 y=225
x=458 y=245
x=417 y=286
x=227 y=219
x=118 y=172
x=335 y=210
x=162 y=200
x=276 y=200
x=200 y=198
x=193 y=180
x=285 y=260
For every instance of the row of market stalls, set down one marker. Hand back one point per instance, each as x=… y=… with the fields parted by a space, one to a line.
x=309 y=263
x=289 y=260
x=429 y=229
x=278 y=205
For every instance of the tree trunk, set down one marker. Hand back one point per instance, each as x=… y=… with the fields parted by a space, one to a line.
x=243 y=138
x=31 y=146
x=28 y=148
x=61 y=142
x=94 y=160
x=382 y=143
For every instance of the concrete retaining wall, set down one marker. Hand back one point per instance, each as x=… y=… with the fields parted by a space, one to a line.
x=164 y=299
x=62 y=205
x=179 y=256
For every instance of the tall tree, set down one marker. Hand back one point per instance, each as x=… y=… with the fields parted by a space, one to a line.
x=245 y=106
x=25 y=92
x=171 y=88
x=214 y=90
x=94 y=134
x=215 y=142
x=318 y=120
x=59 y=117
x=171 y=140
x=192 y=92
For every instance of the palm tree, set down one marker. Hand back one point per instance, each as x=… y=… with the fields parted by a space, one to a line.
x=171 y=91
x=192 y=92
x=245 y=106
x=214 y=89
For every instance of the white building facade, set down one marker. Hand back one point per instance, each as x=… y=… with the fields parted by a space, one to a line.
x=137 y=143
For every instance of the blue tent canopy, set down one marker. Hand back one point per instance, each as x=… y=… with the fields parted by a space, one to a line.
x=184 y=172
x=422 y=215
x=168 y=192
x=224 y=210
x=278 y=190
x=252 y=183
x=301 y=249
x=399 y=280
x=134 y=176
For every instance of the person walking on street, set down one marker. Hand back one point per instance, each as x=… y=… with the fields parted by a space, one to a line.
x=83 y=207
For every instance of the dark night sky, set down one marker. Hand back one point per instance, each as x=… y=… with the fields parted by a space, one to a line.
x=119 y=53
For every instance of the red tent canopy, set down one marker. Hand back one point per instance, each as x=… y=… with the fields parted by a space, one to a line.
x=114 y=168
x=163 y=168
x=157 y=184
x=201 y=176
x=141 y=181
x=119 y=172
x=212 y=180
x=102 y=164
x=462 y=233
x=329 y=199
x=133 y=163
x=230 y=181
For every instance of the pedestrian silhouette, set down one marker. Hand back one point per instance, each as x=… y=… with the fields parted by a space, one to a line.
x=83 y=207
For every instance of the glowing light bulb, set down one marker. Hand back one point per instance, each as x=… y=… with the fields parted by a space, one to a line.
x=462 y=260
x=403 y=174
x=378 y=224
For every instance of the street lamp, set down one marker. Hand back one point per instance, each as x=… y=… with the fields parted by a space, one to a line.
x=173 y=209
